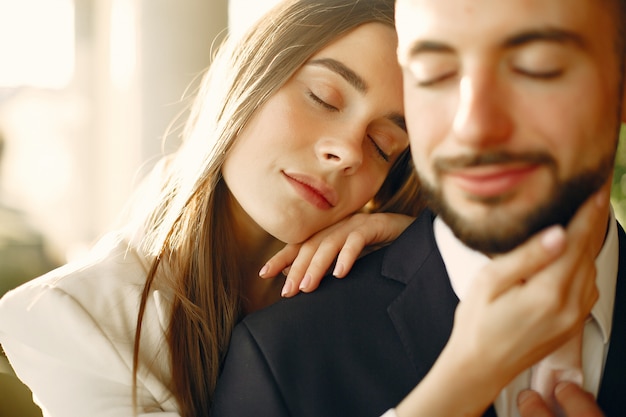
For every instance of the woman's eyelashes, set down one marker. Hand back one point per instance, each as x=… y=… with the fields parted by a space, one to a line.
x=385 y=156
x=379 y=151
x=321 y=102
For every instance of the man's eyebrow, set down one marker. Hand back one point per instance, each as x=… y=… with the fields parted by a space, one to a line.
x=428 y=46
x=350 y=76
x=544 y=35
x=538 y=35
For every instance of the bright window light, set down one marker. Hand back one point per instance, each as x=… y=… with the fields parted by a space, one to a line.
x=122 y=43
x=242 y=13
x=36 y=43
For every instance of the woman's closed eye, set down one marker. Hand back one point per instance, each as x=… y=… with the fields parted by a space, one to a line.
x=378 y=149
x=321 y=102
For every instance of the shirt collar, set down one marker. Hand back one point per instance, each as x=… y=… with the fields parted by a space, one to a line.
x=463 y=264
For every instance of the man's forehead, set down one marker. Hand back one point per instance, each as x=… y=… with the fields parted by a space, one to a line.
x=491 y=21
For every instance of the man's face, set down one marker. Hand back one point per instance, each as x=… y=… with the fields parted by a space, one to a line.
x=513 y=110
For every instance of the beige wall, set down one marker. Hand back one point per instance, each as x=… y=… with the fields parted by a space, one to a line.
x=74 y=153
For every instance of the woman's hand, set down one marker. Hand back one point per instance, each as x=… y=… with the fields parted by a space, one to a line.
x=574 y=401
x=526 y=303
x=308 y=262
x=522 y=306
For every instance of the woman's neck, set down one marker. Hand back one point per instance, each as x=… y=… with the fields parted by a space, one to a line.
x=256 y=246
x=259 y=292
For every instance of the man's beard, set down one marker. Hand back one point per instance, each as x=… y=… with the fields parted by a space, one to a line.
x=505 y=232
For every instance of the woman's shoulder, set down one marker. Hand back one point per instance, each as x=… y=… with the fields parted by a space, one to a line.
x=110 y=267
x=104 y=288
x=77 y=323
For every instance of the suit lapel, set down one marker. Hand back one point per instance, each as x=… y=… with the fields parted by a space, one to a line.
x=612 y=398
x=423 y=314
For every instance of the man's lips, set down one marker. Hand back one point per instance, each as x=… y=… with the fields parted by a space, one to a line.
x=490 y=180
x=313 y=190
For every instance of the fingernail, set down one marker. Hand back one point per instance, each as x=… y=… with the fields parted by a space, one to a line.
x=305 y=281
x=338 y=270
x=286 y=288
x=562 y=385
x=264 y=270
x=523 y=396
x=554 y=238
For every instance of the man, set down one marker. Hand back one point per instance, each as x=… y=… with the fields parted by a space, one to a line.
x=513 y=110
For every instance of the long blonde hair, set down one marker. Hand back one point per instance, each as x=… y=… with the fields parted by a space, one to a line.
x=187 y=233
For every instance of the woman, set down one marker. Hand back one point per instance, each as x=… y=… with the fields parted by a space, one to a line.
x=296 y=126
x=279 y=146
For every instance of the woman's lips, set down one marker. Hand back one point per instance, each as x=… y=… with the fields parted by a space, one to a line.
x=312 y=190
x=490 y=181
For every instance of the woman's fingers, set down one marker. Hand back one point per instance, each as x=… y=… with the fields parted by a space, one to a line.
x=530 y=404
x=519 y=265
x=344 y=242
x=574 y=401
x=548 y=250
x=526 y=303
x=281 y=260
x=311 y=264
x=570 y=280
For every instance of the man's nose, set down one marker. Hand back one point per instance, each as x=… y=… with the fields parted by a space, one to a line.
x=482 y=116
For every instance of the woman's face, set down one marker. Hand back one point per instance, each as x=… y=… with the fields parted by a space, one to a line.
x=320 y=148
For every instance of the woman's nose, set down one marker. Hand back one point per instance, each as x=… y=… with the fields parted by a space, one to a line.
x=341 y=152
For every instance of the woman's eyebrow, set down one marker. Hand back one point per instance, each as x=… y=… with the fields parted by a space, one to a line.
x=357 y=82
x=346 y=73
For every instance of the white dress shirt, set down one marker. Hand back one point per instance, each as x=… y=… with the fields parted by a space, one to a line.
x=463 y=263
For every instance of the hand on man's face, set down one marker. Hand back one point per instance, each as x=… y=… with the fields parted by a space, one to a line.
x=574 y=400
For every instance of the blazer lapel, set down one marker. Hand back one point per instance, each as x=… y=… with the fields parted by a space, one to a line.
x=423 y=314
x=612 y=398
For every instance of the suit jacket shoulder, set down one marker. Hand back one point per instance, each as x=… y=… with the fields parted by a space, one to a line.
x=346 y=349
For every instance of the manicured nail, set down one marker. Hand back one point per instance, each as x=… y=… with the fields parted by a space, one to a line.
x=286 y=288
x=554 y=238
x=264 y=270
x=338 y=270
x=305 y=281
x=523 y=396
x=562 y=385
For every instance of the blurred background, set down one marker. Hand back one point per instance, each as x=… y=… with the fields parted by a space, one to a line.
x=88 y=89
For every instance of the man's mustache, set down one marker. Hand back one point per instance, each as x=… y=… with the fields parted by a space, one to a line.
x=493 y=158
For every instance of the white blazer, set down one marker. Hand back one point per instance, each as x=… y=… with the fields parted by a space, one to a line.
x=69 y=336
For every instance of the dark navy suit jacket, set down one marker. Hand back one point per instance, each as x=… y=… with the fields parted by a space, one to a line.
x=357 y=346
